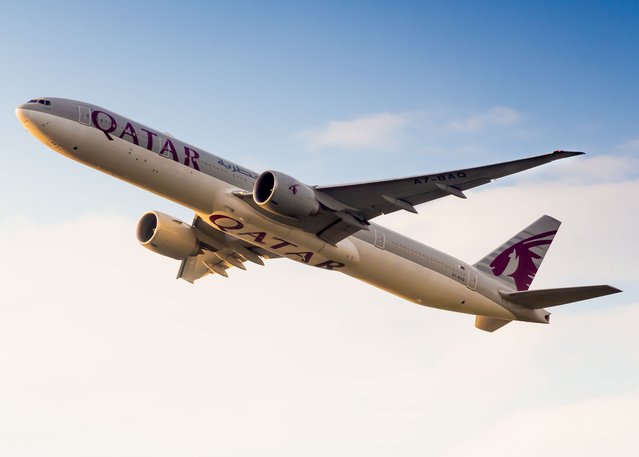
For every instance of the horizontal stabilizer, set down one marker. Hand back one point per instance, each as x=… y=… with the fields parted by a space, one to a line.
x=545 y=298
x=490 y=324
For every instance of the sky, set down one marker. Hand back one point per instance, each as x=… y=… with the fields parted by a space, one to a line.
x=103 y=352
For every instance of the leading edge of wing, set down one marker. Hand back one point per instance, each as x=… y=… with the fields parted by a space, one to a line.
x=373 y=198
x=366 y=200
x=555 y=155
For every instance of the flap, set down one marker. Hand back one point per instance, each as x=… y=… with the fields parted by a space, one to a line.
x=217 y=253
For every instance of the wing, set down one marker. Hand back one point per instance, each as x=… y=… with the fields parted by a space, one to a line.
x=353 y=205
x=348 y=208
x=217 y=253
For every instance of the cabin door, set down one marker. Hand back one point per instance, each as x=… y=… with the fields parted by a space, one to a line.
x=471 y=279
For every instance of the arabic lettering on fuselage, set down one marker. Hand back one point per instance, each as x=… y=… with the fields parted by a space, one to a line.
x=163 y=146
x=236 y=169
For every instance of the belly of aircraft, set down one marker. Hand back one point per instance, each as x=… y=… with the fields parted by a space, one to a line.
x=419 y=284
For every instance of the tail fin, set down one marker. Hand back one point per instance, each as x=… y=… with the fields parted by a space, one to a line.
x=516 y=262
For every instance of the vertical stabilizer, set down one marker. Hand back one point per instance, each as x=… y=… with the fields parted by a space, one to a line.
x=516 y=262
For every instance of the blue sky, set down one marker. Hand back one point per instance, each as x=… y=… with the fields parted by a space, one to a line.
x=328 y=92
x=243 y=79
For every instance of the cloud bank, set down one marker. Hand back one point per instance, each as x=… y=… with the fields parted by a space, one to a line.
x=104 y=353
x=500 y=116
x=376 y=131
x=387 y=131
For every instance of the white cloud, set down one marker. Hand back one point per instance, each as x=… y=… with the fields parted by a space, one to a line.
x=586 y=170
x=599 y=409
x=595 y=243
x=388 y=131
x=500 y=116
x=103 y=351
x=593 y=427
x=369 y=132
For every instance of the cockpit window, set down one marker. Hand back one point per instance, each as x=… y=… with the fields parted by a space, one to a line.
x=40 y=101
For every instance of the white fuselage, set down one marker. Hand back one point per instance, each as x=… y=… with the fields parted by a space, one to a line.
x=205 y=183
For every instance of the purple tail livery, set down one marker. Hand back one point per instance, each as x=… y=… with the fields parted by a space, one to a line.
x=517 y=261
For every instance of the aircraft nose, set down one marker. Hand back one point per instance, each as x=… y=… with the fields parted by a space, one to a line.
x=32 y=116
x=23 y=113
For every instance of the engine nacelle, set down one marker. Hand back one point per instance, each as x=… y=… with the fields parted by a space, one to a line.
x=166 y=235
x=283 y=195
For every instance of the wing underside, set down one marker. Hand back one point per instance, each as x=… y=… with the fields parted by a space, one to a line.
x=371 y=199
x=546 y=298
x=217 y=253
x=348 y=208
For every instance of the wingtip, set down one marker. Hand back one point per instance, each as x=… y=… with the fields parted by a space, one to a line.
x=564 y=154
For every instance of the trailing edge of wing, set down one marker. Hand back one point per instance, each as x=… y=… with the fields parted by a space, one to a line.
x=546 y=298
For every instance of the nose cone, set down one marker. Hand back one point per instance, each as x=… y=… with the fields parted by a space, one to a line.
x=22 y=113
x=25 y=112
x=35 y=120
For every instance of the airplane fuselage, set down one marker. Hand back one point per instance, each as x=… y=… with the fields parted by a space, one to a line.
x=208 y=185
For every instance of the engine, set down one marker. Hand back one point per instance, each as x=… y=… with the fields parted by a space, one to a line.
x=166 y=235
x=283 y=195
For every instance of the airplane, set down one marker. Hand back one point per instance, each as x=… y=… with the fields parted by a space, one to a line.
x=242 y=216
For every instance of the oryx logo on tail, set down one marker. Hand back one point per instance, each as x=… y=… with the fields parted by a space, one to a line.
x=518 y=261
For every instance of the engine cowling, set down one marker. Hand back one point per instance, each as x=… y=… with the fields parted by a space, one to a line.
x=283 y=195
x=166 y=235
